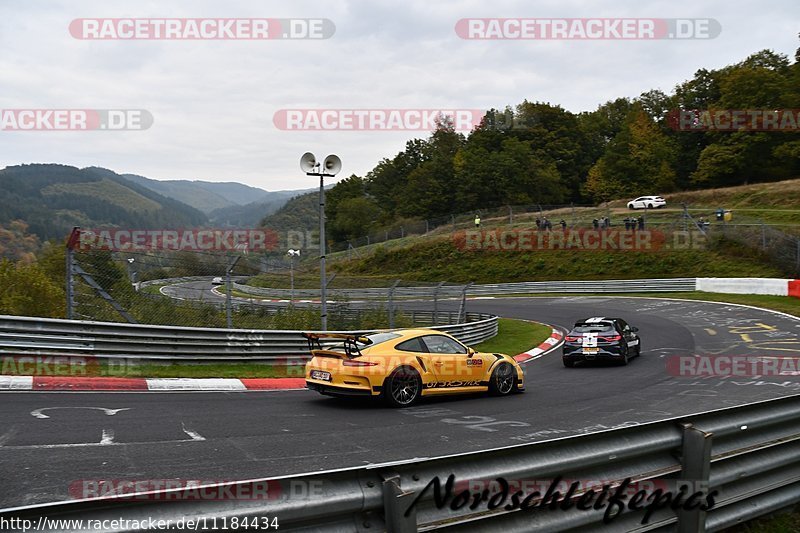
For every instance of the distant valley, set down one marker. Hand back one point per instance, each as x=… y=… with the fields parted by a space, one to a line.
x=52 y=198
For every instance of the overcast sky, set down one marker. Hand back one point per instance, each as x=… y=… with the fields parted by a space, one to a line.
x=213 y=101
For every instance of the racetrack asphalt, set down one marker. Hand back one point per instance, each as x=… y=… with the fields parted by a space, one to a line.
x=49 y=441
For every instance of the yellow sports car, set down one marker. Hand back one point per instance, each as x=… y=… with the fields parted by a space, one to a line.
x=403 y=365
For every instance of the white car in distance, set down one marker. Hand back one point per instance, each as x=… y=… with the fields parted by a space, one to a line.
x=647 y=202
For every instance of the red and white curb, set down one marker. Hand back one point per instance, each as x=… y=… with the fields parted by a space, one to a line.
x=69 y=383
x=549 y=344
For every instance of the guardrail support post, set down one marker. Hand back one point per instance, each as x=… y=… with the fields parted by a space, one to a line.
x=395 y=503
x=695 y=470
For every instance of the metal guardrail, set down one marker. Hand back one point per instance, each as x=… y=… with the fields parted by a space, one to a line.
x=48 y=336
x=525 y=287
x=601 y=286
x=749 y=455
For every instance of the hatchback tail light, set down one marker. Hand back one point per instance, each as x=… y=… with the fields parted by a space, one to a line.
x=572 y=338
x=613 y=338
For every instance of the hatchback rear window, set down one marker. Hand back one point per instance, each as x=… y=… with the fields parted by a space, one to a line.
x=593 y=328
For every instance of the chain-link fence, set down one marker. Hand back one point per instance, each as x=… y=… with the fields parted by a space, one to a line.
x=778 y=244
x=238 y=290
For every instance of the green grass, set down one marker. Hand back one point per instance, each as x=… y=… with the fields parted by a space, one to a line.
x=515 y=336
x=221 y=370
x=119 y=369
x=440 y=259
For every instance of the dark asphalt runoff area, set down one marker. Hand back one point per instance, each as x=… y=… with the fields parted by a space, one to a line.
x=51 y=441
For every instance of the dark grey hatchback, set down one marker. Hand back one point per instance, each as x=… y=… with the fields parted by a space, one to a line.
x=601 y=339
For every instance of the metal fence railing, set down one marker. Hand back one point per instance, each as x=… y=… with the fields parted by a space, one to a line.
x=45 y=336
x=739 y=463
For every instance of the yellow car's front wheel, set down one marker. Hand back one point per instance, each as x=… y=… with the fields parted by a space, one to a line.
x=503 y=380
x=403 y=387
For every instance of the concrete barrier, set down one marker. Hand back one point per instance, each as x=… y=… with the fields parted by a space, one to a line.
x=771 y=286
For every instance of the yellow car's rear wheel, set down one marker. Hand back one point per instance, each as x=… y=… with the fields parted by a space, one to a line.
x=403 y=387
x=503 y=380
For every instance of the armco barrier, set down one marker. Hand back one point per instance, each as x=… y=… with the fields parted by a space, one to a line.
x=48 y=336
x=774 y=286
x=745 y=458
x=625 y=285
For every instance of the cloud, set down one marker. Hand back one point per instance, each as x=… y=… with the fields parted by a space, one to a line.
x=213 y=102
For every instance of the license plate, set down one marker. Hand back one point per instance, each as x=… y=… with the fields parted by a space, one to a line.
x=590 y=350
x=320 y=375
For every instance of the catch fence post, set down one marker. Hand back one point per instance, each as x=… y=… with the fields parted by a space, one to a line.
x=391 y=303
x=797 y=259
x=72 y=242
x=228 y=296
x=436 y=303
x=462 y=311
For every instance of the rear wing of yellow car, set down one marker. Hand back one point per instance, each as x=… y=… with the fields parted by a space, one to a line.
x=350 y=344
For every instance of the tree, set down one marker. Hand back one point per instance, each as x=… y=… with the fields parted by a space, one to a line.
x=640 y=159
x=354 y=217
x=26 y=290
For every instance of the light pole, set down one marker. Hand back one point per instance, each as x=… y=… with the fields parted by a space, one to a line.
x=292 y=254
x=329 y=168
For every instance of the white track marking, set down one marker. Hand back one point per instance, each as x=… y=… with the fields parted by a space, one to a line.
x=108 y=437
x=14 y=383
x=193 y=434
x=110 y=412
x=217 y=384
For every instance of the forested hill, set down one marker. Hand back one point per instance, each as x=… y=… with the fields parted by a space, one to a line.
x=52 y=199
